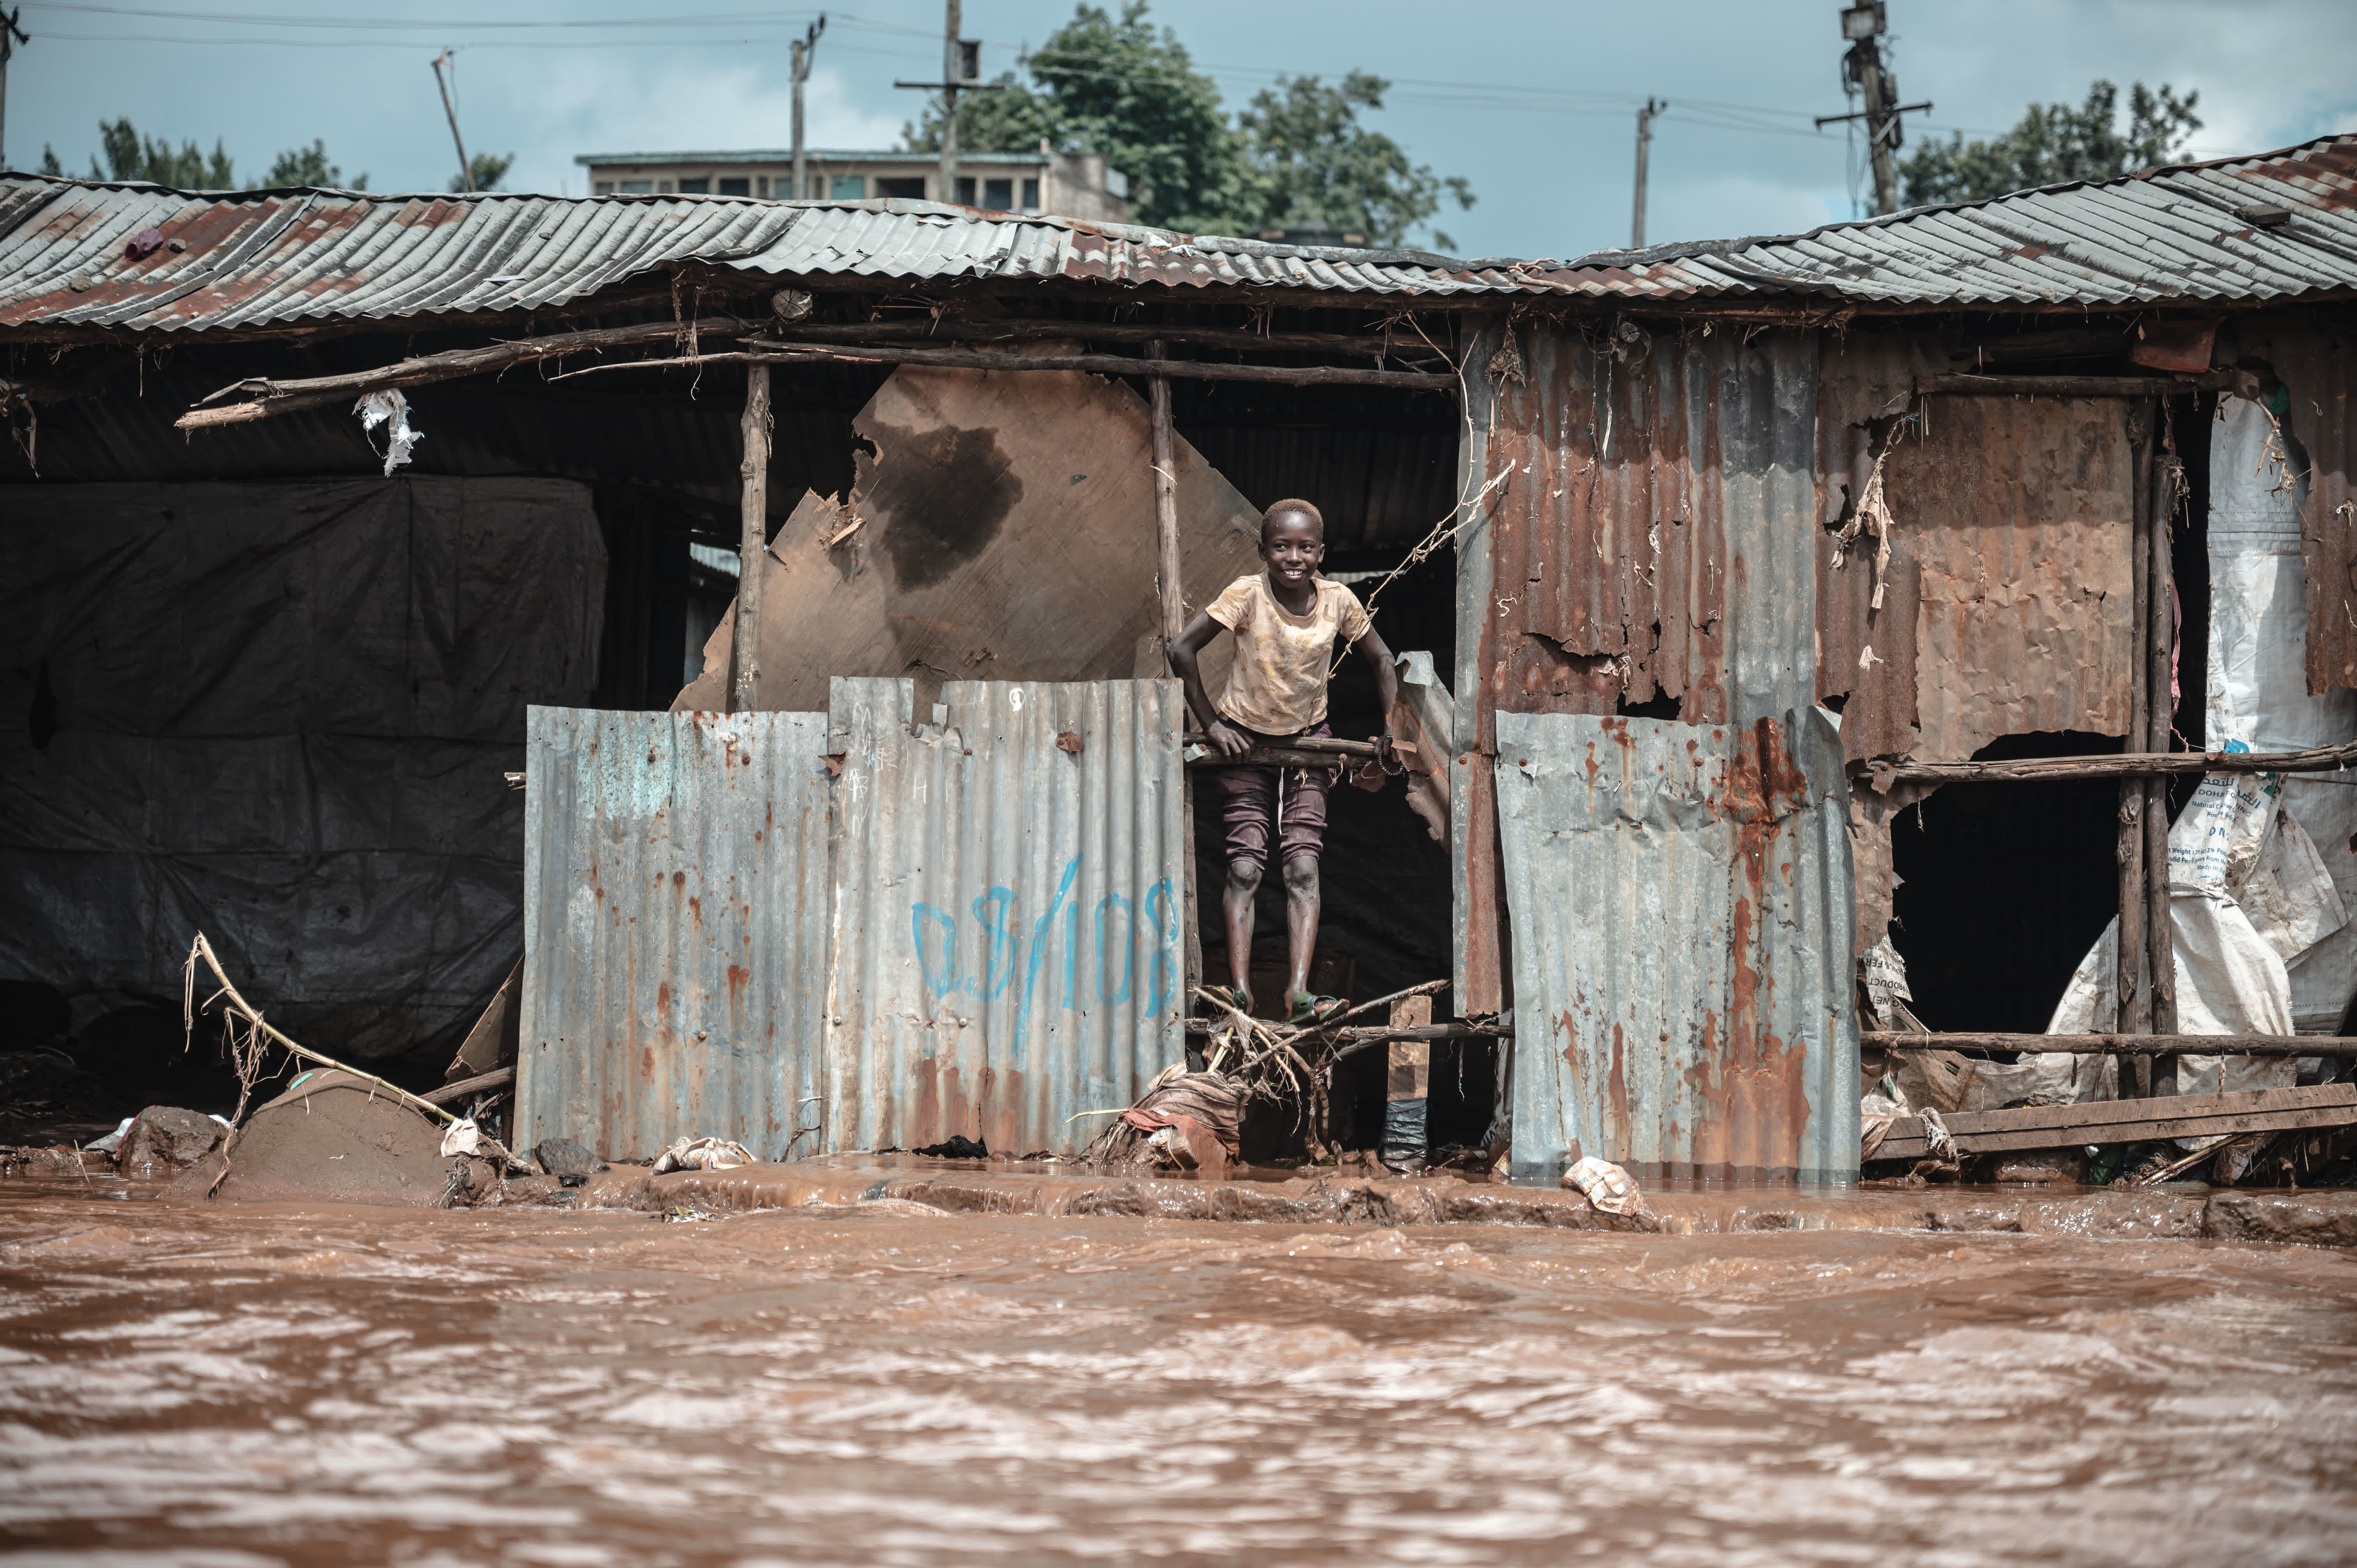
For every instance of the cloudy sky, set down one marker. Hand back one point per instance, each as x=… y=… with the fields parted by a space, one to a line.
x=1533 y=101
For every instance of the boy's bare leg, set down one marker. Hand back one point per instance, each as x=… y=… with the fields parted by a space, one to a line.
x=1302 y=911
x=1243 y=887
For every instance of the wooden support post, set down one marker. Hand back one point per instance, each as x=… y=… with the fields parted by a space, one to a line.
x=1171 y=594
x=744 y=686
x=2160 y=638
x=2134 y=1016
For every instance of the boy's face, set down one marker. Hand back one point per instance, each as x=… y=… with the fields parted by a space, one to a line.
x=1292 y=546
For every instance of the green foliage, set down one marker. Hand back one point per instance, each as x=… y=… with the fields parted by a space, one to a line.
x=130 y=155
x=50 y=165
x=1312 y=162
x=488 y=169
x=1296 y=156
x=2054 y=143
x=309 y=165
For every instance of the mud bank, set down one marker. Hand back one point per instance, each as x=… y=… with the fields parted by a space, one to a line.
x=2311 y=1219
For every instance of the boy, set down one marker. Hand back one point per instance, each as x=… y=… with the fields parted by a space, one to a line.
x=1286 y=621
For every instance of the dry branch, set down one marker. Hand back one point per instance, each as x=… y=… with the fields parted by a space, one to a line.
x=271 y=397
x=2123 y=765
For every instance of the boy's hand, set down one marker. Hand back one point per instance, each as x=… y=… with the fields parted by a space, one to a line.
x=1226 y=738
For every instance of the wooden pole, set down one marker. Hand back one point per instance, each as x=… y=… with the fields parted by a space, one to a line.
x=1171 y=591
x=744 y=687
x=1099 y=364
x=2122 y=765
x=2135 y=1012
x=2333 y=1045
x=2160 y=638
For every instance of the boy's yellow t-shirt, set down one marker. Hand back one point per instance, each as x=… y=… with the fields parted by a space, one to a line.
x=1277 y=683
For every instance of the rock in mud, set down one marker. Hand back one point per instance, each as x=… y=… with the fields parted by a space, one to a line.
x=330 y=1138
x=564 y=1157
x=165 y=1139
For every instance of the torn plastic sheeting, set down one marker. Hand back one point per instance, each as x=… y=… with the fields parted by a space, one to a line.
x=390 y=409
x=2258 y=682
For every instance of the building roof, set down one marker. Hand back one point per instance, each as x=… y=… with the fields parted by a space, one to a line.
x=2197 y=234
x=2194 y=232
x=786 y=155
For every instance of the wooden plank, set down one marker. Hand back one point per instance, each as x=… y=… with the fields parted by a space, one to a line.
x=451 y=1093
x=2125 y=765
x=753 y=475
x=2131 y=1121
x=2117 y=1045
x=1965 y=382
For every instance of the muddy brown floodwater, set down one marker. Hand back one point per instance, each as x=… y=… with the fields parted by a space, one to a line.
x=882 y=1384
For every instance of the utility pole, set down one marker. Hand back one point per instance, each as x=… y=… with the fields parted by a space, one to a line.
x=1864 y=73
x=11 y=35
x=803 y=50
x=466 y=170
x=1644 y=143
x=961 y=72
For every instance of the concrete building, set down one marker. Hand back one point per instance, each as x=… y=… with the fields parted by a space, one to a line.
x=1069 y=184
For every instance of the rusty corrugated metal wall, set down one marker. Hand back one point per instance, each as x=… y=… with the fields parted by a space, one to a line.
x=676 y=904
x=1682 y=945
x=1650 y=529
x=1009 y=910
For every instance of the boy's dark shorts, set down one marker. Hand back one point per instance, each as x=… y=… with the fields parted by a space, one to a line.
x=1250 y=800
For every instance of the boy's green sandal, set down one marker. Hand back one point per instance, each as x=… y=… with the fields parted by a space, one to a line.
x=1310 y=1009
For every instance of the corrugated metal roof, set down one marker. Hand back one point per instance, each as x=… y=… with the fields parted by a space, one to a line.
x=1009 y=915
x=291 y=255
x=285 y=256
x=676 y=928
x=1681 y=904
x=2162 y=234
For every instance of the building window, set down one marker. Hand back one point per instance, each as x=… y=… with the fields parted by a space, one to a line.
x=605 y=188
x=663 y=187
x=636 y=187
x=965 y=191
x=998 y=194
x=699 y=185
x=1030 y=196
x=848 y=188
x=903 y=189
x=762 y=185
x=736 y=188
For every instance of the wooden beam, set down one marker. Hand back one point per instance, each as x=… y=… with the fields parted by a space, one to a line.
x=753 y=540
x=271 y=397
x=1099 y=364
x=2099 y=1122
x=2123 y=765
x=451 y=1093
x=2339 y=1045
x=1966 y=384
x=2160 y=946
x=1169 y=588
x=923 y=329
x=2133 y=1012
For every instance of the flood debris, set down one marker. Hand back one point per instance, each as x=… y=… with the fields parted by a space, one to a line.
x=1185 y=1121
x=703 y=1154
x=167 y=1138
x=1611 y=1189
x=956 y=1146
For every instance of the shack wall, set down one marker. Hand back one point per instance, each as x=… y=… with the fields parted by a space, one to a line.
x=1009 y=911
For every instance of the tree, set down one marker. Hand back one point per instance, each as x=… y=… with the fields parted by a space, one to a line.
x=129 y=156
x=2054 y=143
x=1296 y=156
x=487 y=168
x=309 y=165
x=1312 y=162
x=1121 y=87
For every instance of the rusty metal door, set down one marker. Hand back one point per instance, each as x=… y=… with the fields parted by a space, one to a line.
x=676 y=914
x=1679 y=905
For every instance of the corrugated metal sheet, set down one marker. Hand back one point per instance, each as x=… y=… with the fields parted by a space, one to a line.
x=676 y=925
x=283 y=257
x=1652 y=525
x=2168 y=233
x=288 y=256
x=1009 y=918
x=1682 y=945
